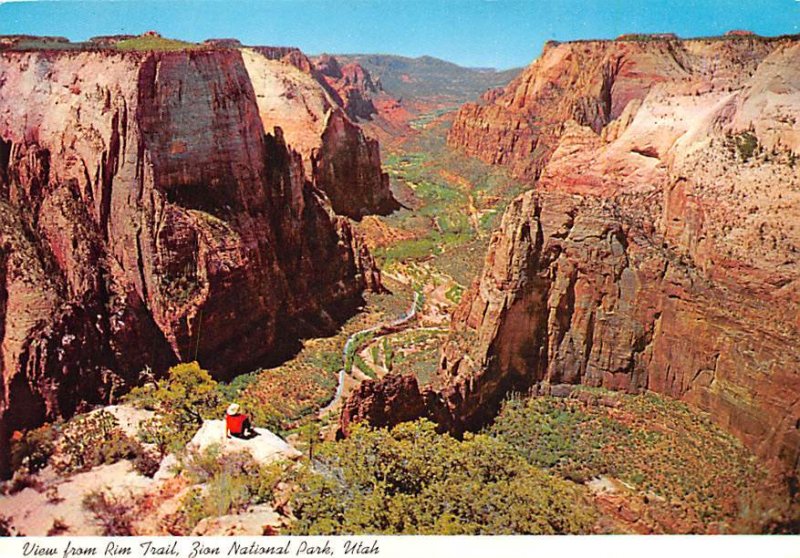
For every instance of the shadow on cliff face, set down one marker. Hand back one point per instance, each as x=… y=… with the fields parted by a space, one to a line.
x=288 y=343
x=184 y=232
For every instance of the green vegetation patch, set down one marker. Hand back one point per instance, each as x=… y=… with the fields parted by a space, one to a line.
x=689 y=467
x=158 y=44
x=411 y=480
x=414 y=352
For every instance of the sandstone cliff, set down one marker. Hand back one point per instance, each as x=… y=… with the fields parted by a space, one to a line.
x=591 y=82
x=152 y=211
x=660 y=249
x=338 y=157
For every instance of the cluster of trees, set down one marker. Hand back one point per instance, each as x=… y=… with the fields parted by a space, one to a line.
x=412 y=480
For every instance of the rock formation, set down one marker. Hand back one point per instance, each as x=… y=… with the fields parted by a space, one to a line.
x=353 y=84
x=660 y=248
x=364 y=99
x=591 y=82
x=340 y=159
x=153 y=210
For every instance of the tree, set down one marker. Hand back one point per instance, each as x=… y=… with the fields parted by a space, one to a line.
x=186 y=397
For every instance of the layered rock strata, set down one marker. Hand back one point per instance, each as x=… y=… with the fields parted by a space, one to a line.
x=659 y=249
x=151 y=212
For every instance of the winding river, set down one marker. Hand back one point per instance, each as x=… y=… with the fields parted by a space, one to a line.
x=382 y=329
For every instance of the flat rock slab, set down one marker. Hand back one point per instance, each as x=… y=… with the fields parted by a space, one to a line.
x=266 y=447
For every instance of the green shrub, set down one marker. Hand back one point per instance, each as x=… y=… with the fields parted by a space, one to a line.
x=82 y=439
x=746 y=145
x=114 y=448
x=411 y=480
x=94 y=439
x=33 y=449
x=183 y=399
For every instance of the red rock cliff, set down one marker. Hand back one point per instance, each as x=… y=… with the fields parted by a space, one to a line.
x=149 y=214
x=591 y=82
x=341 y=161
x=659 y=251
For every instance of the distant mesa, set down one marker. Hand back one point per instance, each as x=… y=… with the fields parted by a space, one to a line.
x=648 y=36
x=109 y=40
x=223 y=43
x=740 y=33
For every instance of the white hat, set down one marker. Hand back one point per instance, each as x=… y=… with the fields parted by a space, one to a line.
x=233 y=409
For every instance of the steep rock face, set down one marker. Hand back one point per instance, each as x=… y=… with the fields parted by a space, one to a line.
x=573 y=294
x=353 y=84
x=659 y=252
x=148 y=216
x=390 y=401
x=592 y=82
x=344 y=167
x=379 y=113
x=337 y=156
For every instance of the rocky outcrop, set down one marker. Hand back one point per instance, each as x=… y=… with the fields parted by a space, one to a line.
x=337 y=156
x=344 y=167
x=392 y=400
x=658 y=251
x=151 y=213
x=353 y=84
x=264 y=447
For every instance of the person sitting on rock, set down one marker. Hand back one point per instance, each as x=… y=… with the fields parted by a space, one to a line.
x=237 y=424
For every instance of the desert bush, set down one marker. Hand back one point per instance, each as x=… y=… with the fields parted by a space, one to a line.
x=114 y=448
x=22 y=480
x=146 y=464
x=411 y=480
x=110 y=512
x=32 y=450
x=7 y=529
x=57 y=528
x=91 y=440
x=746 y=145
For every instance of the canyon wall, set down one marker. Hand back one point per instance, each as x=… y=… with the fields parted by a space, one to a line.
x=659 y=249
x=591 y=83
x=152 y=212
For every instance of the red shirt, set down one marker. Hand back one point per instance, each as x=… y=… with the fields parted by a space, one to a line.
x=235 y=423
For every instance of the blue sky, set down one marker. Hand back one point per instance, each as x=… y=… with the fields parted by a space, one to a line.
x=498 y=33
